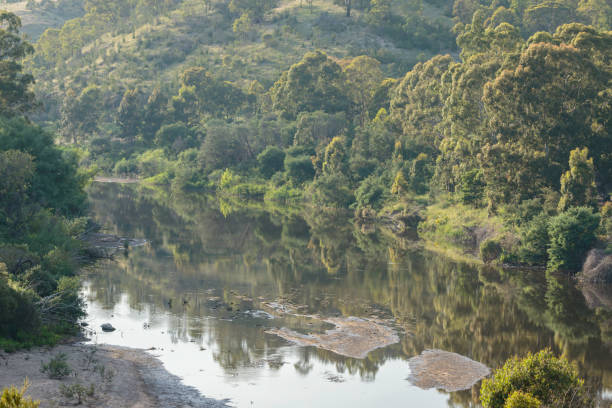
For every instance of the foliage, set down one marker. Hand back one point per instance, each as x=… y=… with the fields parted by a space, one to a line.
x=17 y=311
x=371 y=193
x=315 y=83
x=519 y=399
x=41 y=197
x=299 y=169
x=346 y=108
x=542 y=376
x=572 y=233
x=332 y=190
x=535 y=241
x=578 y=183
x=14 y=398
x=400 y=185
x=77 y=391
x=270 y=161
x=490 y=250
x=56 y=182
x=16 y=96
x=57 y=368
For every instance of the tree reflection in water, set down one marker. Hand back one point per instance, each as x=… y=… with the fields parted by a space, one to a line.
x=324 y=263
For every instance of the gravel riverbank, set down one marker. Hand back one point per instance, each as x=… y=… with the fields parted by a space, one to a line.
x=121 y=378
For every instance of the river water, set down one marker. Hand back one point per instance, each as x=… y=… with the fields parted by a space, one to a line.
x=214 y=278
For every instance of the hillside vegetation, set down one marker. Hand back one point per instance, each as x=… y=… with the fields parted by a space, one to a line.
x=488 y=121
x=42 y=202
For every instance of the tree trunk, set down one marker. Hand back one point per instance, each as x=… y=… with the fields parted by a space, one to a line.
x=347 y=3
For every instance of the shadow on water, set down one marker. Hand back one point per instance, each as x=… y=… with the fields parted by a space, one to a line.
x=205 y=268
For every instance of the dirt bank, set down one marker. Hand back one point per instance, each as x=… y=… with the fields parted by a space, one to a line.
x=121 y=378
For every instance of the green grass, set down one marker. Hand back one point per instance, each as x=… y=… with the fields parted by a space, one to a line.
x=451 y=228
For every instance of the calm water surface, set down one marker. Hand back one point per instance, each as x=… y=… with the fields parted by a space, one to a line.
x=194 y=290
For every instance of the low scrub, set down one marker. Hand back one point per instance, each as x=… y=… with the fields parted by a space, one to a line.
x=540 y=379
x=57 y=368
x=13 y=397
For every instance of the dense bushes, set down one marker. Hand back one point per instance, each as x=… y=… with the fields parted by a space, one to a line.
x=299 y=169
x=55 y=183
x=535 y=241
x=572 y=234
x=473 y=130
x=271 y=160
x=539 y=378
x=490 y=250
x=17 y=310
x=41 y=192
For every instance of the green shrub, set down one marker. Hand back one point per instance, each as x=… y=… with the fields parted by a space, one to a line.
x=549 y=379
x=270 y=161
x=57 y=368
x=14 y=398
x=572 y=234
x=534 y=241
x=332 y=190
x=152 y=162
x=490 y=250
x=519 y=399
x=371 y=193
x=77 y=391
x=68 y=306
x=17 y=258
x=59 y=262
x=125 y=167
x=17 y=311
x=40 y=280
x=57 y=183
x=299 y=169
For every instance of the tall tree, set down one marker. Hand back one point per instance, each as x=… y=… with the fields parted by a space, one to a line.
x=363 y=75
x=129 y=114
x=315 y=83
x=578 y=183
x=16 y=96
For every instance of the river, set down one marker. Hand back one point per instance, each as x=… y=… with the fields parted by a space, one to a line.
x=214 y=282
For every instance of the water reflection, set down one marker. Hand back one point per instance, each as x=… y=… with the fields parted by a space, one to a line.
x=205 y=267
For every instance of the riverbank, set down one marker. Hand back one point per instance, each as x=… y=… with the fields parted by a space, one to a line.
x=120 y=377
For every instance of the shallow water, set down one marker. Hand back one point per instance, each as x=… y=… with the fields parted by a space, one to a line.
x=213 y=279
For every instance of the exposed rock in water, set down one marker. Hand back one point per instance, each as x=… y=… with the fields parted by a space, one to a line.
x=107 y=327
x=445 y=370
x=352 y=336
x=597 y=267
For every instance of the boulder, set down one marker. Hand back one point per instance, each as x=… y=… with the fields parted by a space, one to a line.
x=107 y=327
x=597 y=267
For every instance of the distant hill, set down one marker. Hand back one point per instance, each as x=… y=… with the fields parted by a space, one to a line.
x=144 y=50
x=36 y=16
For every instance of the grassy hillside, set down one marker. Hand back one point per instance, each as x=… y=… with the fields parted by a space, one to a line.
x=148 y=52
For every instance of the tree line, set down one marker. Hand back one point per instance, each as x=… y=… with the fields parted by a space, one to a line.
x=42 y=204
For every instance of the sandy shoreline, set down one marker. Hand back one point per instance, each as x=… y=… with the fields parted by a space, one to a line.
x=137 y=379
